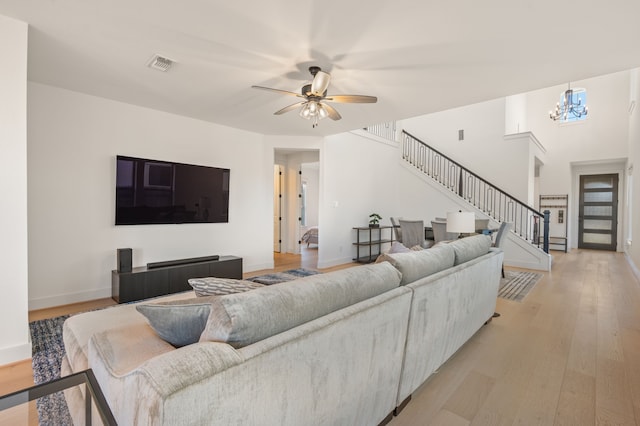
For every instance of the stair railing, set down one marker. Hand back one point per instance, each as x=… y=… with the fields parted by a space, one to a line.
x=384 y=130
x=491 y=200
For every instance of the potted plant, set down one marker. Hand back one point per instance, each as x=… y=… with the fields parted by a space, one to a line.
x=374 y=220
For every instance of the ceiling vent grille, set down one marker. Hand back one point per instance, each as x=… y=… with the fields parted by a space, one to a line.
x=160 y=63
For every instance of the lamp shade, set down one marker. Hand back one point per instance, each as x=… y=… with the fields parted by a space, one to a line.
x=461 y=222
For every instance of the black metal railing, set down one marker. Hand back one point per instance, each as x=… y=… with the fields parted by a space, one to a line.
x=491 y=200
x=384 y=130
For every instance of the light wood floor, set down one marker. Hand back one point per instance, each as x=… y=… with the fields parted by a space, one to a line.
x=569 y=354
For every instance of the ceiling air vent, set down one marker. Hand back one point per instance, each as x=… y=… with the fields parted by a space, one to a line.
x=160 y=63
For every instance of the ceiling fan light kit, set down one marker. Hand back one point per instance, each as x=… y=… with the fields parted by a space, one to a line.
x=315 y=106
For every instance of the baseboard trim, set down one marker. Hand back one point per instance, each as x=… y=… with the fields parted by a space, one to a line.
x=257 y=266
x=334 y=262
x=633 y=266
x=68 y=298
x=14 y=354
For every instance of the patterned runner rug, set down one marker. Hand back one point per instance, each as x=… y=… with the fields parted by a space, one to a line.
x=48 y=351
x=517 y=284
x=280 y=277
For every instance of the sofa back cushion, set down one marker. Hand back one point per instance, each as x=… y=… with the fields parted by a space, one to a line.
x=245 y=318
x=418 y=264
x=469 y=248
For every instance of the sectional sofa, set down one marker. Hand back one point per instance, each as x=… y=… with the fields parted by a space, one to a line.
x=342 y=348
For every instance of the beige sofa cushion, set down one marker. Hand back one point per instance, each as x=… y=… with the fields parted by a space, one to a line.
x=470 y=247
x=418 y=264
x=245 y=318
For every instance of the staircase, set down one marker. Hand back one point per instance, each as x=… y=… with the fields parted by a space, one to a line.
x=528 y=241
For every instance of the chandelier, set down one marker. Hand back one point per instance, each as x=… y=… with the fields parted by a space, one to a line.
x=313 y=110
x=570 y=108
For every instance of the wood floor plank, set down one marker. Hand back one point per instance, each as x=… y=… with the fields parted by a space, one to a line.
x=447 y=418
x=614 y=405
x=470 y=395
x=576 y=403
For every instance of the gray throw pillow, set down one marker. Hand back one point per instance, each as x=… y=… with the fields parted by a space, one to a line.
x=179 y=324
x=212 y=286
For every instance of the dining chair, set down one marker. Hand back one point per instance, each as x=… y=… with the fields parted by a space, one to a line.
x=413 y=233
x=395 y=222
x=440 y=232
x=504 y=229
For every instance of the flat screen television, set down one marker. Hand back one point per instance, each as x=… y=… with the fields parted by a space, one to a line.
x=163 y=192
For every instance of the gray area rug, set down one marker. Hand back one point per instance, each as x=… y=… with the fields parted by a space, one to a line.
x=48 y=351
x=280 y=277
x=517 y=284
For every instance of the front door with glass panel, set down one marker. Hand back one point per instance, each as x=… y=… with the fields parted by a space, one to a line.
x=597 y=220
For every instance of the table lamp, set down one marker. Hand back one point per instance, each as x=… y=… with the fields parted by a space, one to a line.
x=461 y=222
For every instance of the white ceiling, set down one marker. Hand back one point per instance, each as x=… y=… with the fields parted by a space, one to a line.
x=416 y=56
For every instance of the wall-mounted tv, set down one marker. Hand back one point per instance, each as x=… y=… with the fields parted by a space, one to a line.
x=163 y=192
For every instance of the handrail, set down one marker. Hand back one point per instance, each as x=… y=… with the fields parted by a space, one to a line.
x=384 y=130
x=485 y=196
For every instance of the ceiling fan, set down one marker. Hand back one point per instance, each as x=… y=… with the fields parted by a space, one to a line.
x=314 y=107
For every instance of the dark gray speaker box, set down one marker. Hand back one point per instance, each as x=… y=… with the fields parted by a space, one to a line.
x=124 y=259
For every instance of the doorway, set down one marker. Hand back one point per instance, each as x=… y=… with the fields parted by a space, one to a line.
x=277 y=208
x=598 y=212
x=296 y=200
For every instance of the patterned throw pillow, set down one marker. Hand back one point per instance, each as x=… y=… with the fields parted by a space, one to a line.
x=211 y=286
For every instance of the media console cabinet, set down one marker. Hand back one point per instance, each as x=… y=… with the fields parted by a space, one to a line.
x=158 y=279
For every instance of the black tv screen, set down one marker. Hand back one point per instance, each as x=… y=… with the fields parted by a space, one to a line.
x=162 y=192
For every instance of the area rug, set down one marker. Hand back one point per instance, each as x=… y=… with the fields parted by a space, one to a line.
x=517 y=284
x=280 y=277
x=48 y=351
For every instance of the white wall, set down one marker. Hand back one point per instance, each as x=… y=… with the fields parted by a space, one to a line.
x=15 y=343
x=73 y=141
x=484 y=150
x=601 y=140
x=515 y=116
x=603 y=135
x=357 y=178
x=634 y=169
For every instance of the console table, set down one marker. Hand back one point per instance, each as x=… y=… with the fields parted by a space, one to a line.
x=163 y=278
x=370 y=240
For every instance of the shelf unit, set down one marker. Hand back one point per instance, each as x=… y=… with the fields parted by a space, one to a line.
x=370 y=241
x=558 y=205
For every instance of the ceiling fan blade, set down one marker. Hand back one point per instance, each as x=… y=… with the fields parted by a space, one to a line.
x=332 y=112
x=282 y=92
x=289 y=108
x=352 y=99
x=320 y=83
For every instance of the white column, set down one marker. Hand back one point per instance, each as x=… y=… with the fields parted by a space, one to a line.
x=15 y=343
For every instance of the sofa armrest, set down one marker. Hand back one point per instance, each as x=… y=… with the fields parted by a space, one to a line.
x=156 y=372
